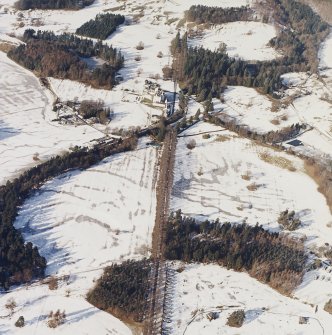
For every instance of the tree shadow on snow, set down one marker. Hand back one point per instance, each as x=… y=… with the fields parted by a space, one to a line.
x=6 y=131
x=253 y=314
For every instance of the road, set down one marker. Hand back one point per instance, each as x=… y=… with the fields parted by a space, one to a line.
x=153 y=323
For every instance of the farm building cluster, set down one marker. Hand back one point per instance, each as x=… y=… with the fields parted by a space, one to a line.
x=159 y=97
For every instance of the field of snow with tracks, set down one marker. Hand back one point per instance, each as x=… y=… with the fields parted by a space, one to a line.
x=84 y=220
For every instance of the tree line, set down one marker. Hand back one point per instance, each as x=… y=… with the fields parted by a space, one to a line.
x=304 y=32
x=60 y=56
x=269 y=257
x=218 y=15
x=123 y=289
x=20 y=262
x=52 y=4
x=102 y=26
x=273 y=137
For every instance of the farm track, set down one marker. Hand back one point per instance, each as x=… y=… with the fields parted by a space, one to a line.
x=155 y=310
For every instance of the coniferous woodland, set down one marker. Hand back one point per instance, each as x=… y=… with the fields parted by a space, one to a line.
x=123 y=289
x=217 y=15
x=20 y=262
x=101 y=26
x=201 y=71
x=52 y=4
x=60 y=56
x=271 y=137
x=269 y=257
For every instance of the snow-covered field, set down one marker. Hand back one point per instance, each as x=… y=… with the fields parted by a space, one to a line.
x=246 y=40
x=26 y=131
x=311 y=103
x=201 y=289
x=254 y=110
x=232 y=178
x=81 y=222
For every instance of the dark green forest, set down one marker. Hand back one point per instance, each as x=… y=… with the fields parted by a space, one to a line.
x=269 y=257
x=218 y=15
x=52 y=4
x=59 y=56
x=102 y=26
x=20 y=262
x=123 y=289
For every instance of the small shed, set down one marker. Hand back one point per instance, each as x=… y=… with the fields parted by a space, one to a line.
x=295 y=143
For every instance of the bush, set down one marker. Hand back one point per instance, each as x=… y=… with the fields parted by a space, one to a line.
x=53 y=283
x=236 y=319
x=167 y=72
x=56 y=319
x=328 y=306
x=288 y=220
x=20 y=322
x=140 y=46
x=191 y=144
x=11 y=305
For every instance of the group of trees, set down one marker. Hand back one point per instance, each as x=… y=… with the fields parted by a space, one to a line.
x=52 y=4
x=123 y=289
x=94 y=109
x=303 y=35
x=59 y=56
x=202 y=71
x=20 y=262
x=218 y=15
x=269 y=257
x=274 y=137
x=101 y=26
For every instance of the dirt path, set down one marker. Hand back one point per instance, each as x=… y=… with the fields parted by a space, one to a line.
x=156 y=298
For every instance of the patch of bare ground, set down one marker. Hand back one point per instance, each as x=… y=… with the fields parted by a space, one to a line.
x=6 y=46
x=246 y=176
x=279 y=161
x=253 y=187
x=322 y=175
x=222 y=138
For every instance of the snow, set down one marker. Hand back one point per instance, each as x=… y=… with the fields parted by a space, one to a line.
x=202 y=288
x=246 y=40
x=311 y=103
x=79 y=224
x=253 y=110
x=84 y=220
x=209 y=183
